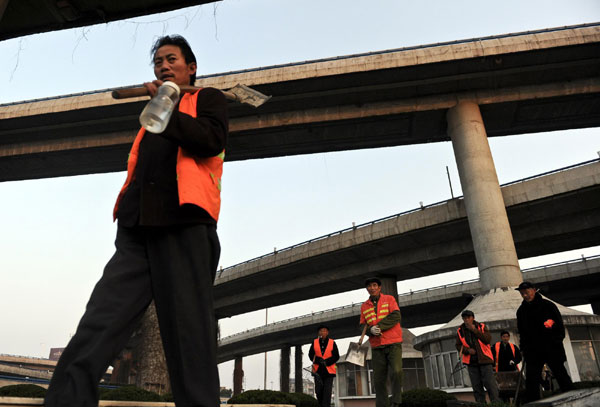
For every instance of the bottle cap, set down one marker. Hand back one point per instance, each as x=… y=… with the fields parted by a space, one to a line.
x=172 y=85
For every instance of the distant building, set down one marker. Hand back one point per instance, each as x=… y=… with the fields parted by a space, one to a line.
x=55 y=353
x=354 y=386
x=308 y=385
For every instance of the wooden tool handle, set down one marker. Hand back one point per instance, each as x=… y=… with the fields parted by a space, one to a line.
x=363 y=335
x=129 y=93
x=142 y=91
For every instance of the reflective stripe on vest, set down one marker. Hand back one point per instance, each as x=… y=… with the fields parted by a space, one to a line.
x=497 y=346
x=486 y=349
x=371 y=317
x=198 y=179
x=328 y=353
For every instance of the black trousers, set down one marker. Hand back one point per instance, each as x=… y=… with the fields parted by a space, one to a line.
x=176 y=267
x=533 y=376
x=323 y=390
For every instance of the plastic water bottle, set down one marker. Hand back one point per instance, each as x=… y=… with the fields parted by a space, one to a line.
x=155 y=116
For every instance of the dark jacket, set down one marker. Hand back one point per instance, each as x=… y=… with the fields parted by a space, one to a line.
x=335 y=355
x=473 y=339
x=505 y=355
x=536 y=339
x=152 y=198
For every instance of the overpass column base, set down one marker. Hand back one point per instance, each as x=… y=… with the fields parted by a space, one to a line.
x=284 y=370
x=238 y=376
x=298 y=382
x=490 y=231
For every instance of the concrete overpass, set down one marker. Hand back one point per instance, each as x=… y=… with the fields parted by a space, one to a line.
x=548 y=213
x=569 y=283
x=526 y=82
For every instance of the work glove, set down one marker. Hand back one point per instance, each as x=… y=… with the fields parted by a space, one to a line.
x=375 y=330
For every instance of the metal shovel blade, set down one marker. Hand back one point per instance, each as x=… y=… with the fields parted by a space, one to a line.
x=356 y=354
x=249 y=96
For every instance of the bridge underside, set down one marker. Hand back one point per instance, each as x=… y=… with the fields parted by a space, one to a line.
x=24 y=17
x=519 y=92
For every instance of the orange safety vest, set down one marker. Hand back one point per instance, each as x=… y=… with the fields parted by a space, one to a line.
x=385 y=306
x=497 y=346
x=485 y=348
x=332 y=369
x=198 y=179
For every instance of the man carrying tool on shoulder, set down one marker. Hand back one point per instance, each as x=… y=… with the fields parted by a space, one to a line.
x=381 y=316
x=167 y=249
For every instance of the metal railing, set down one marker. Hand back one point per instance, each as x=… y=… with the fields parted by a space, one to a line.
x=371 y=223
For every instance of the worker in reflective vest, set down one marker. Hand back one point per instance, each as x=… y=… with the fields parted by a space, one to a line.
x=324 y=354
x=507 y=355
x=473 y=343
x=167 y=248
x=381 y=316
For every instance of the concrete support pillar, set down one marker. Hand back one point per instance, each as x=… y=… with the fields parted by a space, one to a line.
x=389 y=286
x=238 y=376
x=284 y=369
x=492 y=239
x=298 y=382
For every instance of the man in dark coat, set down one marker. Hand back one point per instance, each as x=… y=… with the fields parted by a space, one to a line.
x=542 y=332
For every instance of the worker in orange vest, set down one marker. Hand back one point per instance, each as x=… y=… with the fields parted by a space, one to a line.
x=324 y=354
x=473 y=343
x=381 y=315
x=507 y=355
x=167 y=249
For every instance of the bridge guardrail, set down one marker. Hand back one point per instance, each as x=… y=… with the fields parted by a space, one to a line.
x=363 y=225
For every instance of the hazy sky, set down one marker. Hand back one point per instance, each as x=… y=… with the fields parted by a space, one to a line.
x=57 y=234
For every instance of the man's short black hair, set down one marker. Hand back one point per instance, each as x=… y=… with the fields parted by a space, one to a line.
x=321 y=327
x=504 y=333
x=184 y=46
x=467 y=313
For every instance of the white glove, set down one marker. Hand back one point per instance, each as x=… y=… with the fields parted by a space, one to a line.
x=375 y=330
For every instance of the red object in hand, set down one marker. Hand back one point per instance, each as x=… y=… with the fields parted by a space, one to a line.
x=549 y=323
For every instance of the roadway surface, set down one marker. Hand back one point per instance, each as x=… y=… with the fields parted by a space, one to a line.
x=526 y=82
x=569 y=283
x=548 y=213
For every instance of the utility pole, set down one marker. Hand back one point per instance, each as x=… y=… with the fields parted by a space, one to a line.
x=265 y=380
x=450 y=182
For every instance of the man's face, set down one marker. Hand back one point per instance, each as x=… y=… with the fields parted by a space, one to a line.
x=323 y=332
x=468 y=320
x=374 y=289
x=528 y=294
x=505 y=338
x=170 y=65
